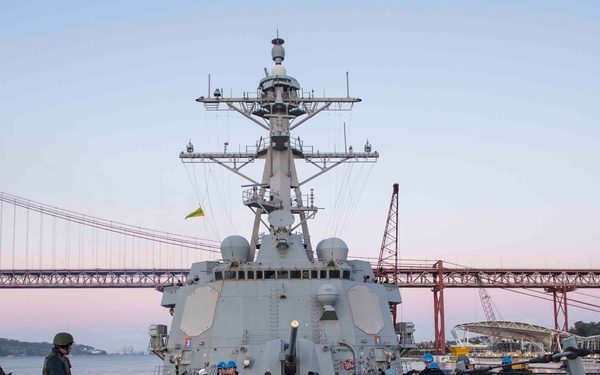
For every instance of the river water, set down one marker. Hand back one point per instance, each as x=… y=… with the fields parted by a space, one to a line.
x=87 y=365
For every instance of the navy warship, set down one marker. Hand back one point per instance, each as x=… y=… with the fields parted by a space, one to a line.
x=274 y=304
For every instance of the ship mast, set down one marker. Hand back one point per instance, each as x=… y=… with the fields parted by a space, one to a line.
x=279 y=107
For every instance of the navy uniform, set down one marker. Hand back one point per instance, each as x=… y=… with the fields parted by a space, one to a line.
x=57 y=362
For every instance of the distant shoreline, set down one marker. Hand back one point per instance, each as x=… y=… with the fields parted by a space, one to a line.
x=16 y=348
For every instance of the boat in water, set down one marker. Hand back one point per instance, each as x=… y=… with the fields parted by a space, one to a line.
x=275 y=303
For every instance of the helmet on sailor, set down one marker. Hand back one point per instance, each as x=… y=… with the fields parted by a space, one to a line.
x=427 y=358
x=464 y=359
x=231 y=364
x=506 y=361
x=434 y=365
x=63 y=339
x=221 y=365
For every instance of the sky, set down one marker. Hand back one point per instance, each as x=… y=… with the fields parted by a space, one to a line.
x=485 y=113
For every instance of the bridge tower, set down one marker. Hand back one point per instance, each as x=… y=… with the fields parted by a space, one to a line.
x=559 y=298
x=438 y=309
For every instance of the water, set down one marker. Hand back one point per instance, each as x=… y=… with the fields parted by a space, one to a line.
x=87 y=365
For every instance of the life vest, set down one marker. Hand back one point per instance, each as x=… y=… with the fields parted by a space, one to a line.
x=63 y=358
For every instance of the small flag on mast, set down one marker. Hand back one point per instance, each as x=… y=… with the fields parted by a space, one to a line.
x=196 y=213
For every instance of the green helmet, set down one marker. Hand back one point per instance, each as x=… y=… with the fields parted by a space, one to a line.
x=63 y=339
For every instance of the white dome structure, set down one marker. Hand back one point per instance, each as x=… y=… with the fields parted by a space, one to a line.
x=278 y=70
x=327 y=295
x=235 y=249
x=332 y=249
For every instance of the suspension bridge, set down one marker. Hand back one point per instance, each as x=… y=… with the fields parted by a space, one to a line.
x=47 y=247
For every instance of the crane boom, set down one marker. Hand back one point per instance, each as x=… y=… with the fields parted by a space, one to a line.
x=486 y=303
x=388 y=255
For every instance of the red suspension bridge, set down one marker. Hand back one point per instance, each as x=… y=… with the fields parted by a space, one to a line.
x=48 y=247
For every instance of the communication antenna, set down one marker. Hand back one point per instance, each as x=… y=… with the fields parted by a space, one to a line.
x=347 y=85
x=345 y=146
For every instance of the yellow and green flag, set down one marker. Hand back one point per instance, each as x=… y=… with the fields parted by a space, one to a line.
x=196 y=213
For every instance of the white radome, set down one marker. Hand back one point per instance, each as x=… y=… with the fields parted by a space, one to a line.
x=278 y=70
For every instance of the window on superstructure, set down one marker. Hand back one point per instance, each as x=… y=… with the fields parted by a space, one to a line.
x=241 y=275
x=269 y=275
x=346 y=275
x=218 y=275
x=323 y=274
x=314 y=274
x=259 y=275
x=282 y=274
x=334 y=274
x=295 y=274
x=250 y=275
x=305 y=274
x=230 y=275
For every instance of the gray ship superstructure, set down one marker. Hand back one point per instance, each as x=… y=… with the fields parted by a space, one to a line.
x=270 y=305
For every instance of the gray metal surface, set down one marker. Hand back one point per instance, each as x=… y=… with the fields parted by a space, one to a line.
x=270 y=304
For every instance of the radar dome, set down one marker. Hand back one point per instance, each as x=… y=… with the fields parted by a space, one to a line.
x=235 y=248
x=278 y=70
x=327 y=295
x=332 y=249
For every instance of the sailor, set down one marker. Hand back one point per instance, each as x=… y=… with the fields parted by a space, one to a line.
x=222 y=368
x=427 y=359
x=507 y=365
x=434 y=369
x=463 y=363
x=232 y=368
x=57 y=363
